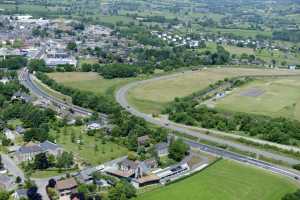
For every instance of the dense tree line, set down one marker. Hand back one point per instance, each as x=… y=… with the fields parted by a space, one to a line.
x=292 y=196
x=35 y=118
x=32 y=117
x=13 y=62
x=118 y=71
x=292 y=36
x=85 y=99
x=169 y=58
x=280 y=130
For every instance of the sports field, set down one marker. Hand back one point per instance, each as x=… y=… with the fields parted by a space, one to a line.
x=226 y=180
x=273 y=97
x=151 y=97
x=89 y=81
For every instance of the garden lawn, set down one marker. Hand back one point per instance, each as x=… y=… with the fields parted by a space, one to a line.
x=88 y=152
x=280 y=97
x=226 y=180
x=151 y=97
x=50 y=173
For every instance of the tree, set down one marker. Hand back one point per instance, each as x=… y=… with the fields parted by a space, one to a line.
x=121 y=190
x=292 y=196
x=41 y=161
x=32 y=194
x=297 y=167
x=38 y=65
x=65 y=160
x=18 y=179
x=1 y=163
x=51 y=183
x=71 y=46
x=52 y=193
x=4 y=195
x=178 y=149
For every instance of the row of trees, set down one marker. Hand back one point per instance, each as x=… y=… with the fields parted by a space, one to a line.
x=85 y=99
x=169 y=58
x=286 y=35
x=280 y=130
x=13 y=62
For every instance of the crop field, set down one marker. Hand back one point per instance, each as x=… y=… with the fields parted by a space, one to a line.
x=273 y=97
x=226 y=180
x=151 y=97
x=89 y=81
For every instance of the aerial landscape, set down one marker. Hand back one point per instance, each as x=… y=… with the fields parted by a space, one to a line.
x=149 y=100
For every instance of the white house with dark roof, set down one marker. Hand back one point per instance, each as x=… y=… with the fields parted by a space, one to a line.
x=30 y=150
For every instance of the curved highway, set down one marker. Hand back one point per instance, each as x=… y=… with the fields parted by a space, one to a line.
x=121 y=97
x=26 y=80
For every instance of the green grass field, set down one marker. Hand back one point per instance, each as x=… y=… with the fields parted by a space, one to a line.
x=226 y=180
x=87 y=152
x=280 y=97
x=151 y=97
x=89 y=81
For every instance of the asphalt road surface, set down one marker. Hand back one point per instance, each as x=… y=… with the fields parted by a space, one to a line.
x=26 y=80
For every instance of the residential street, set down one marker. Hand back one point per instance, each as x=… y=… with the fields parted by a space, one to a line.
x=11 y=166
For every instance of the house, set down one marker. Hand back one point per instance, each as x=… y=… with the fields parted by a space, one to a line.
x=127 y=165
x=124 y=169
x=174 y=171
x=30 y=150
x=145 y=180
x=51 y=148
x=19 y=194
x=6 y=182
x=143 y=140
x=162 y=149
x=132 y=169
x=66 y=187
